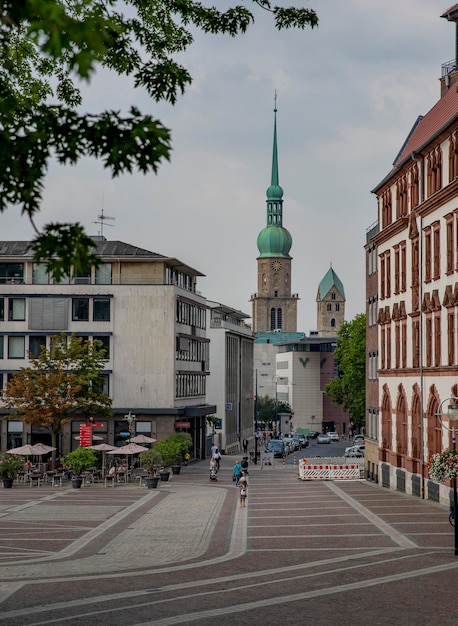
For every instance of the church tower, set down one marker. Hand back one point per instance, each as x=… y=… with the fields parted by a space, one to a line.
x=330 y=300
x=274 y=308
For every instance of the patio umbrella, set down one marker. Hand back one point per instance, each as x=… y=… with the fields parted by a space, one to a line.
x=130 y=448
x=94 y=438
x=104 y=447
x=142 y=439
x=37 y=449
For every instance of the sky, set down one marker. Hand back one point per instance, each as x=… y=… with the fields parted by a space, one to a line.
x=348 y=93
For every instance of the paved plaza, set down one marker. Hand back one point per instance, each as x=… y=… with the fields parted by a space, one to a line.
x=341 y=553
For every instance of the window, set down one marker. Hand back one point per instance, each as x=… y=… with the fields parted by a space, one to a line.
x=337 y=307
x=437 y=251
x=80 y=309
x=450 y=244
x=428 y=251
x=2 y=309
x=64 y=280
x=329 y=307
x=40 y=274
x=105 y=344
x=453 y=157
x=16 y=347
x=333 y=296
x=16 y=309
x=1 y=384
x=11 y=273
x=403 y=264
x=82 y=277
x=35 y=343
x=388 y=274
x=434 y=162
x=103 y=274
x=437 y=339
x=451 y=337
x=272 y=319
x=1 y=347
x=429 y=340
x=396 y=269
x=104 y=380
x=101 y=310
x=333 y=323
x=279 y=318
x=48 y=313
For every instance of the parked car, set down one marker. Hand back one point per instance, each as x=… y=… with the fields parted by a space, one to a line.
x=303 y=440
x=297 y=443
x=323 y=439
x=333 y=436
x=357 y=439
x=288 y=441
x=354 y=452
x=277 y=447
x=313 y=434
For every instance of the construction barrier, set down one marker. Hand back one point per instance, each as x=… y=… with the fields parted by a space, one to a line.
x=315 y=469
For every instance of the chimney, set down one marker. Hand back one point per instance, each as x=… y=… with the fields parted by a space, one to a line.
x=449 y=74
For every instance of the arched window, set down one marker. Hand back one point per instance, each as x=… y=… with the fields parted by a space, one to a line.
x=329 y=307
x=279 y=318
x=272 y=319
x=333 y=322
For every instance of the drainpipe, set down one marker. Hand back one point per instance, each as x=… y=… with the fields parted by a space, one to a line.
x=420 y=252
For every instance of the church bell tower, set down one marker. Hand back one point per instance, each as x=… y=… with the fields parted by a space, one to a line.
x=274 y=308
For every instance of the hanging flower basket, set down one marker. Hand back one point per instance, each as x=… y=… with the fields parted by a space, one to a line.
x=443 y=465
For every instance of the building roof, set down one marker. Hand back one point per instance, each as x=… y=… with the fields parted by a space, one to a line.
x=276 y=337
x=451 y=14
x=104 y=248
x=329 y=281
x=440 y=116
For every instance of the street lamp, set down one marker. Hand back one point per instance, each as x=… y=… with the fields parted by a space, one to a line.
x=452 y=414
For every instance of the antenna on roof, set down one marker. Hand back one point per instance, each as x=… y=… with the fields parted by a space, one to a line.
x=101 y=219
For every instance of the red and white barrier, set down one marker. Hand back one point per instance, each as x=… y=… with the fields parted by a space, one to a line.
x=315 y=470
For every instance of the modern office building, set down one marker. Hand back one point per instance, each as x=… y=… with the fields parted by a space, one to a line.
x=145 y=309
x=230 y=384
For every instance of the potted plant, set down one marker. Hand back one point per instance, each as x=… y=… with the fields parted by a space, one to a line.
x=170 y=451
x=151 y=460
x=10 y=466
x=184 y=443
x=80 y=460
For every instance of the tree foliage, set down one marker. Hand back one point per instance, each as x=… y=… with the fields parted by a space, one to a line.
x=349 y=389
x=266 y=408
x=61 y=382
x=45 y=45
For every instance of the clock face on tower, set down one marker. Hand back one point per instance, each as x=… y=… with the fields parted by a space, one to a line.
x=276 y=265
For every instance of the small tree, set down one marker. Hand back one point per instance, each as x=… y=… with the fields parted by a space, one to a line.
x=80 y=460
x=61 y=382
x=151 y=460
x=349 y=389
x=10 y=465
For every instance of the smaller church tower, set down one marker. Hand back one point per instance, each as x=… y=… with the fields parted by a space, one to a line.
x=330 y=310
x=274 y=307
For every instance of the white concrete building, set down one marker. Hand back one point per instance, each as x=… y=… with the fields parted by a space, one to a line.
x=146 y=310
x=231 y=380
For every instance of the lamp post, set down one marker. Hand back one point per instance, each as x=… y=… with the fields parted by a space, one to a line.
x=256 y=418
x=452 y=414
x=276 y=400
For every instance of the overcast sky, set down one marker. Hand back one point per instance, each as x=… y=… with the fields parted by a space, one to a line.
x=348 y=95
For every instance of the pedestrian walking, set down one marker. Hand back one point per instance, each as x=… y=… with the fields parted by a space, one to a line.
x=217 y=456
x=243 y=486
x=245 y=446
x=237 y=472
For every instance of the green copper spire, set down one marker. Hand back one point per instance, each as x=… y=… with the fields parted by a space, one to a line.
x=274 y=240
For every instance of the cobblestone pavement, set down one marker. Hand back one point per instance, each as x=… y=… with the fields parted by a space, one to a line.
x=342 y=553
